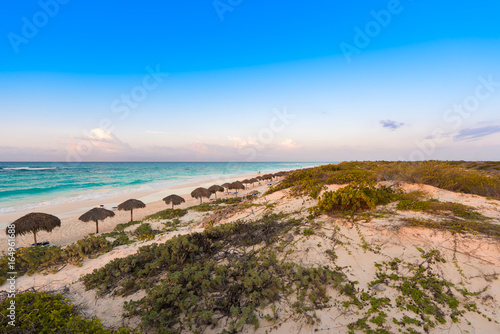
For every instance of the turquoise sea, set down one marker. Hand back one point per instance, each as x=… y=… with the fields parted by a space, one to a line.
x=33 y=185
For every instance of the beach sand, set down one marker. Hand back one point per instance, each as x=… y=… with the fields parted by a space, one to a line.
x=477 y=257
x=73 y=229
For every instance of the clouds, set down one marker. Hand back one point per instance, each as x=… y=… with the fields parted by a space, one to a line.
x=289 y=144
x=476 y=133
x=392 y=125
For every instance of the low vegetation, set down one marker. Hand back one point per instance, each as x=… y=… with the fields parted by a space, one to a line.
x=167 y=214
x=40 y=312
x=424 y=299
x=455 y=176
x=217 y=204
x=456 y=226
x=230 y=272
x=354 y=198
x=436 y=207
x=30 y=260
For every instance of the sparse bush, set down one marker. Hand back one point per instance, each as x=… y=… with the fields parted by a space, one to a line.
x=353 y=198
x=122 y=227
x=40 y=312
x=435 y=206
x=167 y=214
x=456 y=226
x=481 y=179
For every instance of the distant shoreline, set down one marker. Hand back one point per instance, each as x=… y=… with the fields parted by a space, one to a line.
x=65 y=207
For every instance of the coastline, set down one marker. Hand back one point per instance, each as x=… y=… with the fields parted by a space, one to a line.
x=70 y=205
x=72 y=229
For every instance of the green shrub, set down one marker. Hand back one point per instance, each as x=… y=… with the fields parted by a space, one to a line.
x=456 y=226
x=353 y=198
x=435 y=206
x=204 y=207
x=230 y=200
x=30 y=260
x=167 y=214
x=40 y=312
x=89 y=246
x=121 y=227
x=480 y=179
x=144 y=230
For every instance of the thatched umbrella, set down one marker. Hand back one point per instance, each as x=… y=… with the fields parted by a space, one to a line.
x=34 y=222
x=95 y=215
x=174 y=199
x=200 y=193
x=237 y=185
x=245 y=182
x=267 y=177
x=130 y=205
x=253 y=180
x=226 y=185
x=215 y=188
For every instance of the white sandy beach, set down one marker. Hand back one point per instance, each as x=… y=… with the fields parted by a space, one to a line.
x=478 y=258
x=73 y=229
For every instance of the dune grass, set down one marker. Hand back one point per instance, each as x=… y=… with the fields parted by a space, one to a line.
x=455 y=176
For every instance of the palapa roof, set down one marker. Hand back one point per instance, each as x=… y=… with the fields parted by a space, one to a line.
x=215 y=188
x=96 y=214
x=131 y=204
x=201 y=192
x=174 y=199
x=34 y=222
x=236 y=185
x=225 y=185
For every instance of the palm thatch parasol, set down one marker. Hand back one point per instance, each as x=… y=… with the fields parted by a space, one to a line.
x=237 y=185
x=200 y=193
x=245 y=182
x=174 y=199
x=267 y=177
x=225 y=185
x=253 y=180
x=34 y=222
x=215 y=188
x=95 y=215
x=130 y=205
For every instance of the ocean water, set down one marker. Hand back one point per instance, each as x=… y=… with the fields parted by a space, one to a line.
x=37 y=184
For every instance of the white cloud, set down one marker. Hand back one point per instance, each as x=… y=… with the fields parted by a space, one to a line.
x=289 y=144
x=100 y=134
x=240 y=142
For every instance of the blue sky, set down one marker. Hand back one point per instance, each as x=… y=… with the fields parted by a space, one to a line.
x=355 y=80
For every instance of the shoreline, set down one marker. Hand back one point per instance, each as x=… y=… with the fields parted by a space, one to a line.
x=73 y=229
x=77 y=208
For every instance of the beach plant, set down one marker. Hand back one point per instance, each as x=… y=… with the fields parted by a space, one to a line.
x=41 y=312
x=480 y=178
x=434 y=206
x=87 y=247
x=167 y=214
x=456 y=226
x=353 y=198
x=122 y=227
x=229 y=271
x=31 y=260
